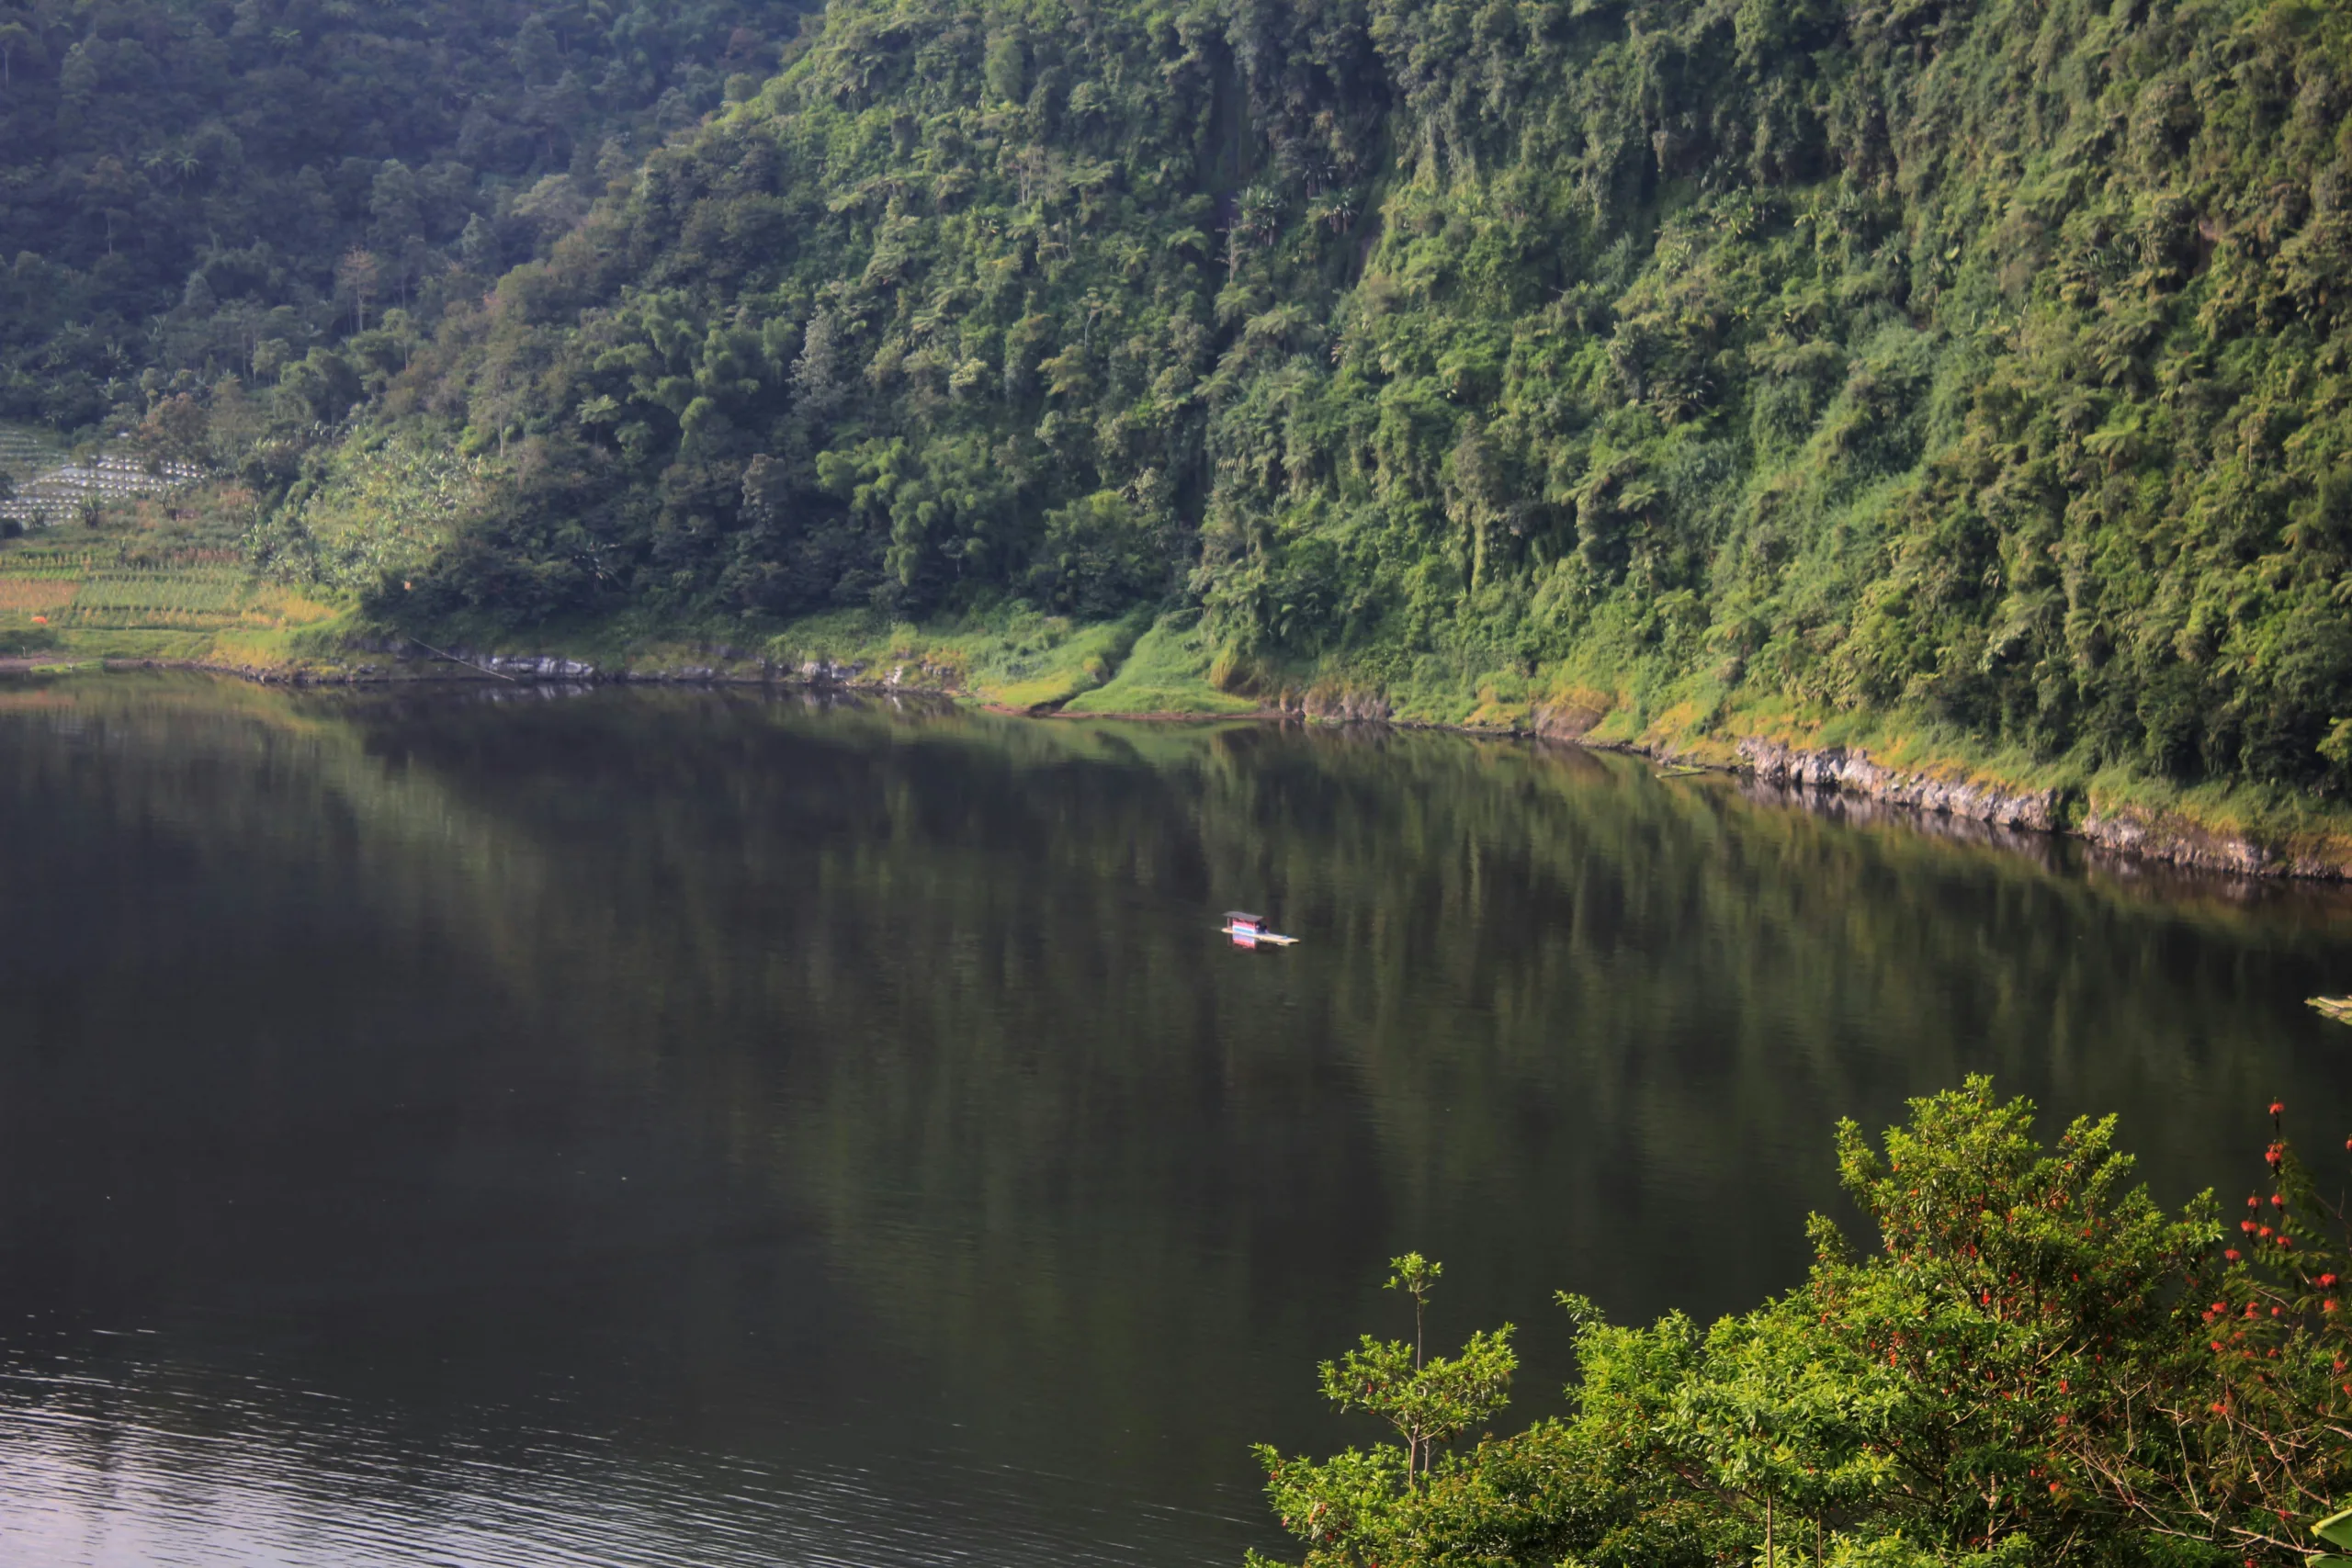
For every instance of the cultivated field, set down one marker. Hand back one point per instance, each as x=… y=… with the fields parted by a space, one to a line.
x=148 y=581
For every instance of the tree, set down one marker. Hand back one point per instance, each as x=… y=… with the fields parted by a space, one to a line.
x=356 y=277
x=179 y=429
x=1430 y=1401
x=2036 y=1366
x=15 y=38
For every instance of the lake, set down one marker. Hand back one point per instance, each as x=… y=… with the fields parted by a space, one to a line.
x=649 y=1127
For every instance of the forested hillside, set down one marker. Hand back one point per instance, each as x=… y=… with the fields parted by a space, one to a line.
x=191 y=189
x=1980 y=360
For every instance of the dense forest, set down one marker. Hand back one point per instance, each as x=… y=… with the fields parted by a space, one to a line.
x=2036 y=1365
x=192 y=190
x=1981 y=360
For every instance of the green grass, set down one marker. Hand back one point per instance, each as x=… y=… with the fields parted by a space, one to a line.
x=1008 y=655
x=1167 y=672
x=137 y=642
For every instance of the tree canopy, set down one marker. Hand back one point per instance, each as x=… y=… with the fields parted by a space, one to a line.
x=2036 y=1364
x=191 y=189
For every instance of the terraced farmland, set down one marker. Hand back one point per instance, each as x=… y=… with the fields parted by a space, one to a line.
x=168 y=597
x=149 y=584
x=36 y=595
x=25 y=452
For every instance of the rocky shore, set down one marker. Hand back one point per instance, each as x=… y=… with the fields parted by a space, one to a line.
x=2131 y=830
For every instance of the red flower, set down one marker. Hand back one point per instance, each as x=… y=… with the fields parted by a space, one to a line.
x=2277 y=1107
x=2231 y=1253
x=2327 y=1281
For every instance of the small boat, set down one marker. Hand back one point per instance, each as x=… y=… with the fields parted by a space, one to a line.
x=2337 y=1007
x=1249 y=930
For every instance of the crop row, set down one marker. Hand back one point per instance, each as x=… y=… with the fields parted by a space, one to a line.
x=214 y=593
x=128 y=617
x=36 y=594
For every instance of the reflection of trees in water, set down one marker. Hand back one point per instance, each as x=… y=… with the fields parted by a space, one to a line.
x=945 y=983
x=1547 y=1006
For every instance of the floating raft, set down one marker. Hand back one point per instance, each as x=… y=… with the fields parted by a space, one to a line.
x=2336 y=1007
x=1249 y=930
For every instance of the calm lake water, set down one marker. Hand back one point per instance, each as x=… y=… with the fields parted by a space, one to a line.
x=629 y=1127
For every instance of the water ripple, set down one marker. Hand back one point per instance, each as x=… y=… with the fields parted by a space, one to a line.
x=99 y=1471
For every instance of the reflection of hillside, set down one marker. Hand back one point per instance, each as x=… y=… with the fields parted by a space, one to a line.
x=941 y=987
x=947 y=975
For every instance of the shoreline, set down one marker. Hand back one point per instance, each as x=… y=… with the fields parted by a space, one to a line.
x=2135 y=834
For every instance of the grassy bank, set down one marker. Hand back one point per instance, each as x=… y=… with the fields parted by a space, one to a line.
x=152 y=582
x=1007 y=655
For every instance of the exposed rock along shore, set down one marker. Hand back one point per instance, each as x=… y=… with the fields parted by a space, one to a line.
x=2129 y=831
x=1838 y=768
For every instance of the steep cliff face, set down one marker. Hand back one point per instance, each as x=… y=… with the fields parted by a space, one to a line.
x=1987 y=360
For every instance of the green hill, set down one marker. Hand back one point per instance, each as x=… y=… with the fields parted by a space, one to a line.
x=191 y=189
x=1973 y=367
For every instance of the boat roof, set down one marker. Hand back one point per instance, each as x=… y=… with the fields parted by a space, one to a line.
x=1244 y=915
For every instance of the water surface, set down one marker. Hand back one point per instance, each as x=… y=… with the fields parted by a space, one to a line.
x=626 y=1128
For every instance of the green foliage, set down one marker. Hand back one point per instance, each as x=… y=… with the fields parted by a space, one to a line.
x=2037 y=1365
x=1167 y=672
x=1985 y=362
x=1429 y=1400
x=193 y=189
x=17 y=641
x=364 y=516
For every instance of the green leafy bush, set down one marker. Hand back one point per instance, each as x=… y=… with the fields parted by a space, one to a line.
x=2034 y=1365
